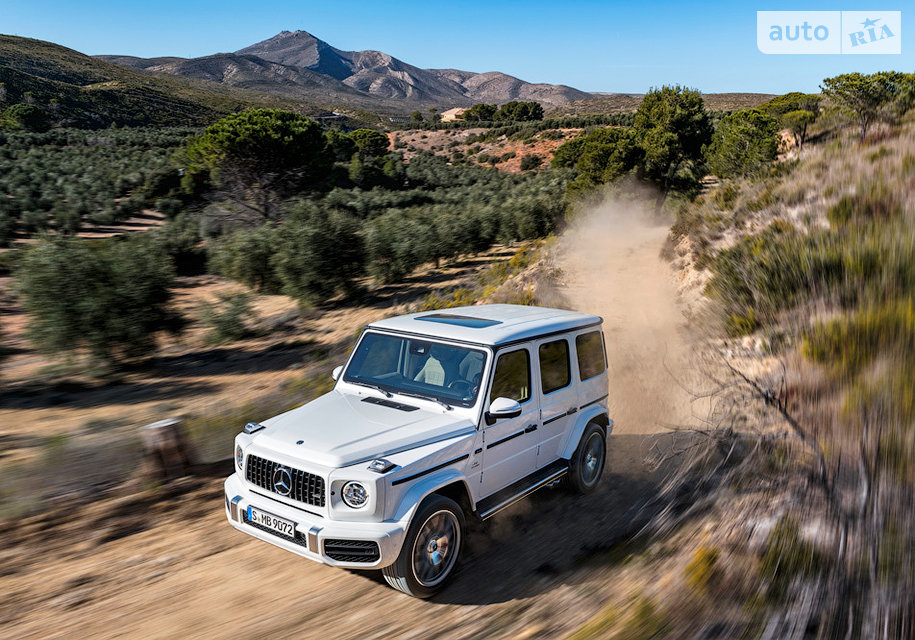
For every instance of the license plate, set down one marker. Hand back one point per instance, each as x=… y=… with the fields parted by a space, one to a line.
x=286 y=527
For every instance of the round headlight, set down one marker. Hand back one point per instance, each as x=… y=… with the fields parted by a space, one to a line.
x=239 y=456
x=355 y=494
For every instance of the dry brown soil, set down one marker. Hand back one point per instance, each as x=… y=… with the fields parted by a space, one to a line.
x=166 y=565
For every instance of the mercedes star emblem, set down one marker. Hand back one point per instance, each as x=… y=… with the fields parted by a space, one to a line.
x=282 y=481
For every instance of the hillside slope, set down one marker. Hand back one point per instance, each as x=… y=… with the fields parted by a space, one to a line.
x=84 y=91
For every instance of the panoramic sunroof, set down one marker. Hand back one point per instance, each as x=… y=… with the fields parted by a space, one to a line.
x=461 y=321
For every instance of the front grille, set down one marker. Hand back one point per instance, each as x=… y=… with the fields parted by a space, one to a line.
x=351 y=550
x=306 y=487
x=300 y=538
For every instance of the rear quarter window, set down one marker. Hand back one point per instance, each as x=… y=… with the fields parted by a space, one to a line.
x=591 y=359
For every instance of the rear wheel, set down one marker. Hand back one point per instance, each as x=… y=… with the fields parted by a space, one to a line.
x=430 y=549
x=588 y=461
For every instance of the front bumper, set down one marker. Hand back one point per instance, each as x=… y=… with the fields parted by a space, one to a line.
x=312 y=531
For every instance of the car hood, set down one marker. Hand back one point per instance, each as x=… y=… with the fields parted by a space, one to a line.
x=339 y=429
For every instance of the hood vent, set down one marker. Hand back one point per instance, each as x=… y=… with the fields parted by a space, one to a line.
x=391 y=404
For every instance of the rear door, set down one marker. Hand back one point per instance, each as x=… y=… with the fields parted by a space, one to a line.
x=558 y=396
x=510 y=445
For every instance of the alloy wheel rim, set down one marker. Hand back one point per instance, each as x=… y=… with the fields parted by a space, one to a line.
x=436 y=548
x=592 y=460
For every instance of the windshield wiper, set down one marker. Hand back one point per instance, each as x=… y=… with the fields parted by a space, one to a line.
x=429 y=398
x=385 y=392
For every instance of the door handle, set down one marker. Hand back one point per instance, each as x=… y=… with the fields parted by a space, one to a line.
x=571 y=411
x=530 y=428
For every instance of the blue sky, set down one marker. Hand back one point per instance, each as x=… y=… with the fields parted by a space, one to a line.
x=594 y=46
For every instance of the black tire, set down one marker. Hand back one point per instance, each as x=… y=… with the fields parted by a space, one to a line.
x=416 y=571
x=588 y=461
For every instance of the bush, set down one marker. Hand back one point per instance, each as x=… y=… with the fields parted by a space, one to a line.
x=245 y=256
x=317 y=254
x=111 y=299
x=703 y=568
x=168 y=207
x=726 y=196
x=875 y=202
x=227 y=318
x=530 y=162
x=787 y=557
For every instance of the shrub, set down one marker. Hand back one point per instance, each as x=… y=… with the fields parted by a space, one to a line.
x=245 y=256
x=227 y=319
x=786 y=558
x=111 y=300
x=726 y=196
x=168 y=207
x=875 y=202
x=703 y=568
x=531 y=161
x=317 y=254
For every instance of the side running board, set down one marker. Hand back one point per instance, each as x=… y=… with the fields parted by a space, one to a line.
x=518 y=491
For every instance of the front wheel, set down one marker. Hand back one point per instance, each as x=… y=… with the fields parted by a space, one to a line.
x=430 y=549
x=587 y=463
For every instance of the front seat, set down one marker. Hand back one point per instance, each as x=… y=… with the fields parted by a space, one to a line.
x=432 y=372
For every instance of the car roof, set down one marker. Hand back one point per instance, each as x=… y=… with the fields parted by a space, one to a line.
x=489 y=324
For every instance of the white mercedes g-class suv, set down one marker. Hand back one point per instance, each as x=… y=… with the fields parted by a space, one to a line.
x=437 y=417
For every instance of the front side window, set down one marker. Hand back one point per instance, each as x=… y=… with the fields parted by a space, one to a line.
x=555 y=370
x=512 y=378
x=420 y=367
x=591 y=360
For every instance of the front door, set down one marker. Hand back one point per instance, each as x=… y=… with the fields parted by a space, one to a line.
x=510 y=445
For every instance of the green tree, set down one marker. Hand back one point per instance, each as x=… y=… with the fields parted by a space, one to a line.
x=341 y=145
x=480 y=113
x=743 y=143
x=111 y=300
x=797 y=123
x=370 y=143
x=259 y=157
x=245 y=256
x=357 y=171
x=795 y=111
x=416 y=118
x=318 y=253
x=516 y=111
x=569 y=152
x=26 y=117
x=869 y=98
x=671 y=126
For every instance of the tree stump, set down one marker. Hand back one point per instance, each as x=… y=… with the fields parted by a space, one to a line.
x=167 y=451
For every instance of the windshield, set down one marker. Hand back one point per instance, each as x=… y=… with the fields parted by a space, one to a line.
x=414 y=366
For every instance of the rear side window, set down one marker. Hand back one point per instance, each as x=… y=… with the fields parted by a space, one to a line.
x=513 y=377
x=555 y=370
x=591 y=360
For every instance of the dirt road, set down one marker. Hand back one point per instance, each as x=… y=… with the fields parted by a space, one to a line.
x=153 y=568
x=612 y=265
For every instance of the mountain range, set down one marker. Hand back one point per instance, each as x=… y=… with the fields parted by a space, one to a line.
x=296 y=64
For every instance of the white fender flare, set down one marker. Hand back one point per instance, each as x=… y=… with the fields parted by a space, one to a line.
x=587 y=415
x=424 y=487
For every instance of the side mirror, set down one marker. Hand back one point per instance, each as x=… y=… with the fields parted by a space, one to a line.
x=502 y=408
x=336 y=373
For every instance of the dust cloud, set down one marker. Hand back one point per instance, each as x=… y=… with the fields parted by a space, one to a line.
x=612 y=267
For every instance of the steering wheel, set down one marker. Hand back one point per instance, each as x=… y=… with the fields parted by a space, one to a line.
x=463 y=387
